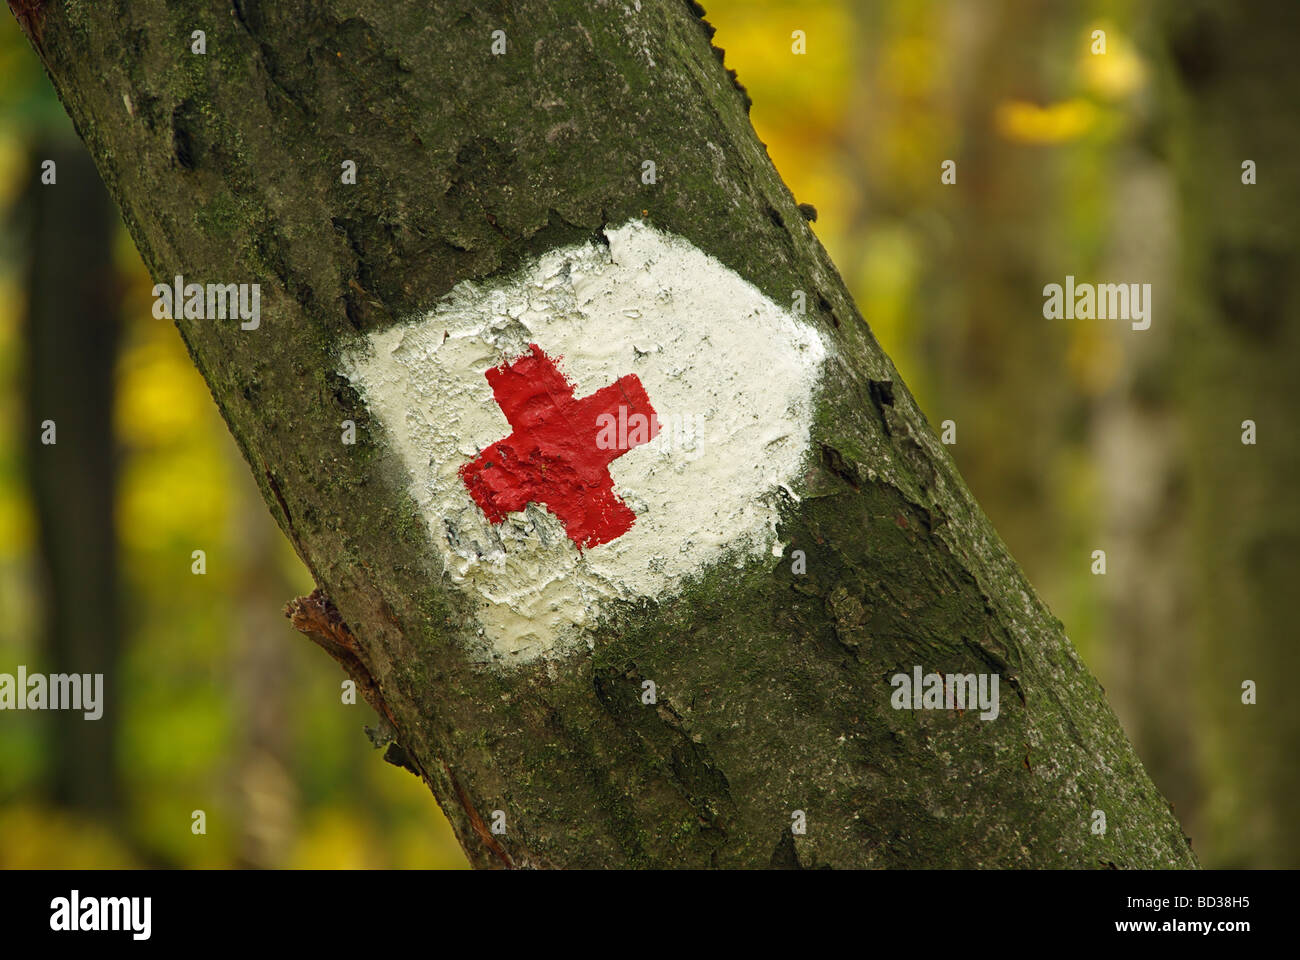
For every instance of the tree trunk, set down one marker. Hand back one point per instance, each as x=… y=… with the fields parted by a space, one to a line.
x=773 y=686
x=262 y=677
x=72 y=336
x=1232 y=78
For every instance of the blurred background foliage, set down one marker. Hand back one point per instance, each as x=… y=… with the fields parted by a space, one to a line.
x=1073 y=435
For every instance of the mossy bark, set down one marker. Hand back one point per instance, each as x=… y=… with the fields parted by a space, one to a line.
x=773 y=687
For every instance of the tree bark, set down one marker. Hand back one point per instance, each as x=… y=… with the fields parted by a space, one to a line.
x=773 y=687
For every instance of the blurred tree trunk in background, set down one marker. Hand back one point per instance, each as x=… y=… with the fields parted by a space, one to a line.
x=1134 y=440
x=1235 y=79
x=72 y=336
x=262 y=667
x=997 y=367
x=1136 y=445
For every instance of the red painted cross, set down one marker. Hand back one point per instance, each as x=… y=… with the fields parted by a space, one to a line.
x=557 y=455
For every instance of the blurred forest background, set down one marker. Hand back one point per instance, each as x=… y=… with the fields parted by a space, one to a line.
x=1075 y=436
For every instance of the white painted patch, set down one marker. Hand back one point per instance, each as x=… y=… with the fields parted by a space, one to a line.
x=712 y=352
